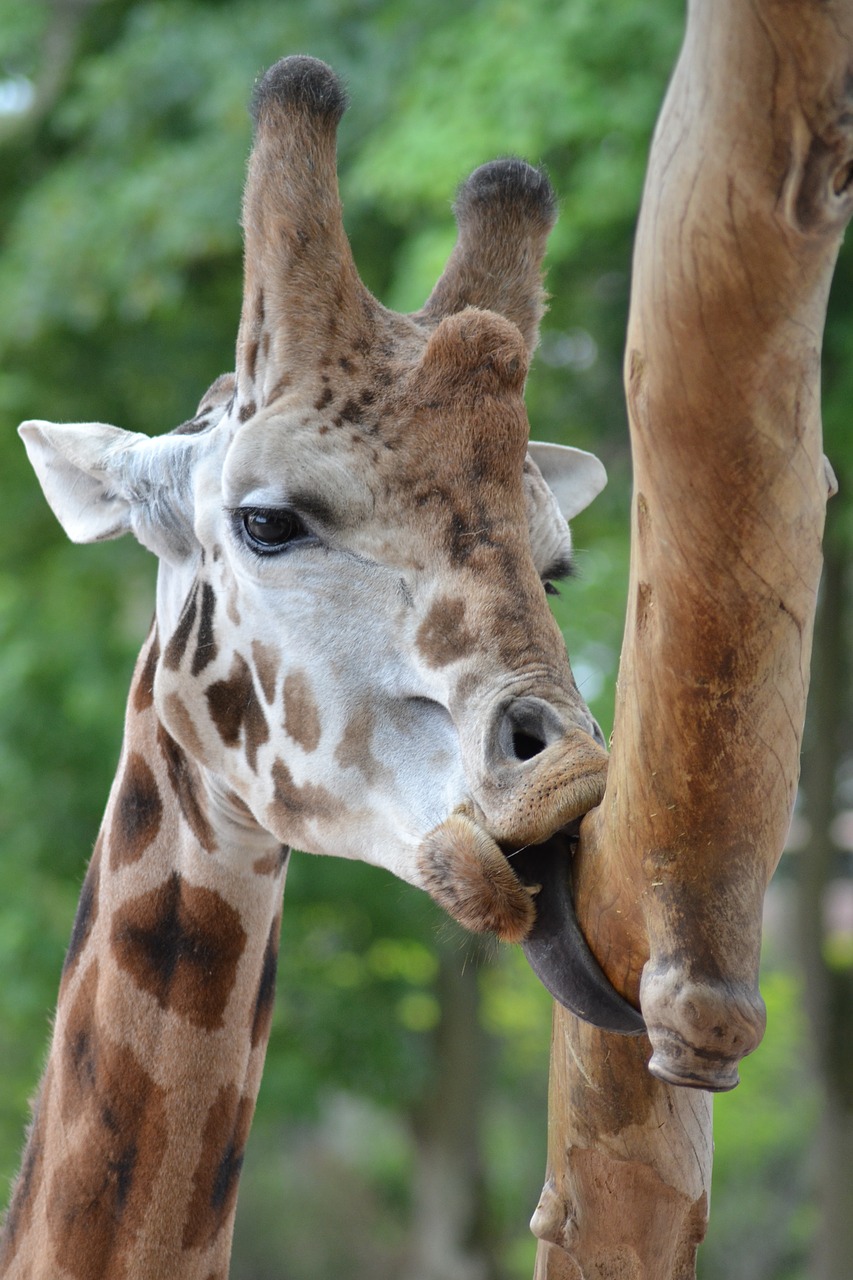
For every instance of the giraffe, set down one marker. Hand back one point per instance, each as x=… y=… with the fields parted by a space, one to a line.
x=352 y=653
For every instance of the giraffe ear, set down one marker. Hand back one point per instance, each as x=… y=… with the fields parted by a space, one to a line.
x=102 y=482
x=574 y=476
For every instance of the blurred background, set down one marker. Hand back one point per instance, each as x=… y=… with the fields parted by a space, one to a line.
x=401 y=1126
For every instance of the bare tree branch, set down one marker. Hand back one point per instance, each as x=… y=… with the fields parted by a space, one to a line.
x=747 y=195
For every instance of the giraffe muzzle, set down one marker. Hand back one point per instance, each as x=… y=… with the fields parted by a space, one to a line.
x=502 y=862
x=538 y=772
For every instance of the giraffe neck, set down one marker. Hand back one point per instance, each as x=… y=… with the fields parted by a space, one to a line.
x=134 y=1155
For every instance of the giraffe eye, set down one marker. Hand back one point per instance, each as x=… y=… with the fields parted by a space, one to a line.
x=269 y=531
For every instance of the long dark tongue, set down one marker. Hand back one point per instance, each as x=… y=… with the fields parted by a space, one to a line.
x=556 y=949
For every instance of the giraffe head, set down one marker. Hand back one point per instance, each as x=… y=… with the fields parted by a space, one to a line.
x=355 y=535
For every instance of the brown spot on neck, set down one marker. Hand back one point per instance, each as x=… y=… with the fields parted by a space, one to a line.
x=86 y=914
x=271 y=863
x=143 y=689
x=115 y=1135
x=186 y=786
x=177 y=646
x=79 y=1056
x=138 y=813
x=182 y=944
x=217 y=1174
x=265 y=994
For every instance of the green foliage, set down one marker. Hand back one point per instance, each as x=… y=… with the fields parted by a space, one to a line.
x=764 y=1194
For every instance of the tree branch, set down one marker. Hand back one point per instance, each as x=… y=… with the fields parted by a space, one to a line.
x=747 y=194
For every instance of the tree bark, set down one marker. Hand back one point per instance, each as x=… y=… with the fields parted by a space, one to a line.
x=749 y=187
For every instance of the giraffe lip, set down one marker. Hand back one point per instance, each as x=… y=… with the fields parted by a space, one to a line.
x=556 y=948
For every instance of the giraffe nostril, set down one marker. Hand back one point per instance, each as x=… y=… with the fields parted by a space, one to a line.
x=527 y=745
x=524 y=728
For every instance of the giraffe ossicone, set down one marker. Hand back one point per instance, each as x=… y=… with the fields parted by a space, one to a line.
x=352 y=653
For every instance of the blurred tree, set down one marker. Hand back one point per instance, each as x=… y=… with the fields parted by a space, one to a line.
x=123 y=135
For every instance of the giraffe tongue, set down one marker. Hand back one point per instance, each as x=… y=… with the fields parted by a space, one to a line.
x=556 y=949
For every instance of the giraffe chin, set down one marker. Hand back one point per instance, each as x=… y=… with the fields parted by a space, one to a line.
x=525 y=897
x=468 y=874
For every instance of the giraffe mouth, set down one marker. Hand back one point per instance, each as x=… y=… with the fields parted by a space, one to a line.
x=524 y=895
x=555 y=947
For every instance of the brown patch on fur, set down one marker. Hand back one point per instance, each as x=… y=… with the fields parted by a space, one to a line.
x=87 y=911
x=184 y=780
x=236 y=711
x=77 y=1079
x=350 y=412
x=272 y=863
x=301 y=717
x=467 y=532
x=265 y=995
x=143 y=689
x=292 y=805
x=463 y=869
x=206 y=647
x=182 y=944
x=177 y=646
x=217 y=1173
x=251 y=359
x=99 y=1195
x=467 y=685
x=355 y=750
x=442 y=636
x=266 y=662
x=180 y=720
x=139 y=812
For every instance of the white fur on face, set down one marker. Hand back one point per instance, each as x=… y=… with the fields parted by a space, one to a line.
x=301 y=681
